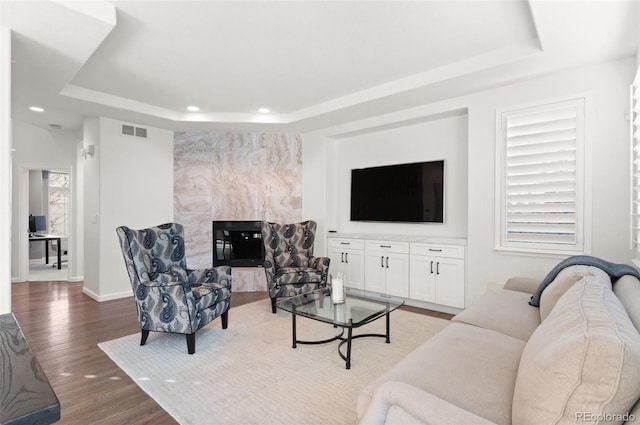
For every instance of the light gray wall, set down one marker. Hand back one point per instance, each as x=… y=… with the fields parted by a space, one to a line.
x=36 y=207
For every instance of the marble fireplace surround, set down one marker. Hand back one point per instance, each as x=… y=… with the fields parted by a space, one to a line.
x=234 y=176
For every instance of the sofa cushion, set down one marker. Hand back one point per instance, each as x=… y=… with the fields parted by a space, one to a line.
x=583 y=359
x=504 y=311
x=565 y=280
x=470 y=367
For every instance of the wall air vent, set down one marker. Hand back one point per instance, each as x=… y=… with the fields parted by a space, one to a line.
x=141 y=132
x=129 y=130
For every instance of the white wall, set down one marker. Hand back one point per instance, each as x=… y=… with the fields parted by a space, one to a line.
x=38 y=149
x=314 y=199
x=91 y=206
x=607 y=86
x=129 y=181
x=607 y=134
x=638 y=50
x=5 y=169
x=445 y=138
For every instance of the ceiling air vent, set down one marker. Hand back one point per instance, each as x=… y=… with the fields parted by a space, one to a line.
x=129 y=130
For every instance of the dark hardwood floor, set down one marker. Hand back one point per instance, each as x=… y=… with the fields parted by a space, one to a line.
x=63 y=327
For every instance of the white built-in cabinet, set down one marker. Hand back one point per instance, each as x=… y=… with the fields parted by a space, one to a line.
x=437 y=274
x=429 y=272
x=347 y=257
x=386 y=267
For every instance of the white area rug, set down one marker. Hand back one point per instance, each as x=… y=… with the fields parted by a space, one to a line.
x=249 y=374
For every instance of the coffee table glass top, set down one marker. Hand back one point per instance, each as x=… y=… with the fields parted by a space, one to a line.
x=359 y=308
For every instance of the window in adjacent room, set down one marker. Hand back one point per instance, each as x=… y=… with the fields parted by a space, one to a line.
x=541 y=178
x=58 y=202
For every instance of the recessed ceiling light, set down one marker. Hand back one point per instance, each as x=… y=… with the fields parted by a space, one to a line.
x=264 y=110
x=36 y=109
x=193 y=108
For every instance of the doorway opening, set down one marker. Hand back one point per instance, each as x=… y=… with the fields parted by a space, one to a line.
x=49 y=220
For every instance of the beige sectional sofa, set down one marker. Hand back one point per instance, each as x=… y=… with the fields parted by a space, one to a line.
x=576 y=359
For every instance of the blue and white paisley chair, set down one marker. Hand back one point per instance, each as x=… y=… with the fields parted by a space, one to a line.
x=169 y=297
x=289 y=263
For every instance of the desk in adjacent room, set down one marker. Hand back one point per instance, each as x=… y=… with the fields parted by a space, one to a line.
x=47 y=239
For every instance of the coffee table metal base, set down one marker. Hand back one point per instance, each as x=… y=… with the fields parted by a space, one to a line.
x=343 y=340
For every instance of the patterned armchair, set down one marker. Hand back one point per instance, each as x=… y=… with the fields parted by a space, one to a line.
x=289 y=263
x=169 y=297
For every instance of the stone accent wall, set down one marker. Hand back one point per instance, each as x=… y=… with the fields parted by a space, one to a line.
x=233 y=176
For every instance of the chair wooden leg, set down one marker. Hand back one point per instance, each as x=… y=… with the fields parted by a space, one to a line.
x=273 y=305
x=191 y=343
x=225 y=319
x=145 y=335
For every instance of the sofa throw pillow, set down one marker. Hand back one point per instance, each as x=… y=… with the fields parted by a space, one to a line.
x=565 y=280
x=584 y=359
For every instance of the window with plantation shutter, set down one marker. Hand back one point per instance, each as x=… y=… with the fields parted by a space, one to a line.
x=541 y=177
x=635 y=167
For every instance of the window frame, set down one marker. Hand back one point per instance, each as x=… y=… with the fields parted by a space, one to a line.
x=582 y=201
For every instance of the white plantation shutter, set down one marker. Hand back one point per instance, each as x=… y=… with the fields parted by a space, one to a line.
x=635 y=166
x=541 y=167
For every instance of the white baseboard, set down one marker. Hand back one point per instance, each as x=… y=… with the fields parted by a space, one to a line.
x=107 y=297
x=76 y=279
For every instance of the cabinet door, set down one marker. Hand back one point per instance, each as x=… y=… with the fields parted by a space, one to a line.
x=450 y=282
x=422 y=285
x=397 y=275
x=336 y=265
x=374 y=271
x=354 y=268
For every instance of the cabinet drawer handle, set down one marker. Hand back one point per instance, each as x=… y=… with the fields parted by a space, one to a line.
x=438 y=267
x=385 y=246
x=382 y=261
x=345 y=243
x=435 y=250
x=432 y=267
x=342 y=257
x=387 y=262
x=346 y=257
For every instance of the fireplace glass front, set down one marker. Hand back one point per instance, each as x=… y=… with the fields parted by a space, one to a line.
x=238 y=243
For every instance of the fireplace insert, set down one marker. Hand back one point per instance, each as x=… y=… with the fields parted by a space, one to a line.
x=238 y=243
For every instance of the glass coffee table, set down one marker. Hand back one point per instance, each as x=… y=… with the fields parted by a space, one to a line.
x=358 y=309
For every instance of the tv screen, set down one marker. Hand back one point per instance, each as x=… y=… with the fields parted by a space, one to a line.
x=399 y=193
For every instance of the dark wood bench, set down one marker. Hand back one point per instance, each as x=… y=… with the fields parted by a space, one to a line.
x=26 y=397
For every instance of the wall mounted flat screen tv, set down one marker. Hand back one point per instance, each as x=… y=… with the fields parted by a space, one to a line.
x=399 y=193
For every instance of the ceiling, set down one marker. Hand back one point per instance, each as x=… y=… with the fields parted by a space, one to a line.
x=314 y=64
